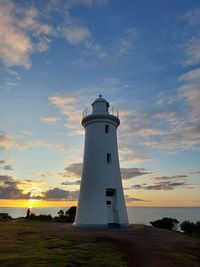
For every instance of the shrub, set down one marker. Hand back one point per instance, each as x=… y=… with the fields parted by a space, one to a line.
x=44 y=217
x=188 y=227
x=61 y=213
x=71 y=213
x=165 y=223
x=31 y=216
x=41 y=217
x=198 y=227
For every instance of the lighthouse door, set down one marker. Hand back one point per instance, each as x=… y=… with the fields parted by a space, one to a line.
x=111 y=204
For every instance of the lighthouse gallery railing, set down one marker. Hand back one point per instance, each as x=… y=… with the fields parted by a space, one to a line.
x=111 y=110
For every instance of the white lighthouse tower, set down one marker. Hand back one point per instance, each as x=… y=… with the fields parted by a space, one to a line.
x=101 y=201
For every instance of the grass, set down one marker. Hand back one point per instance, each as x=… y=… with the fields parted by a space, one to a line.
x=185 y=255
x=35 y=243
x=25 y=243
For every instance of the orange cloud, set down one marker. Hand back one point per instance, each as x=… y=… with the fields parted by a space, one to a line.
x=16 y=25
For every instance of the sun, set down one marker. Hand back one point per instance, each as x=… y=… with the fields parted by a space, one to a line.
x=33 y=203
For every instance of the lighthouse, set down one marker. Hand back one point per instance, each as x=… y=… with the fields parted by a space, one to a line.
x=101 y=201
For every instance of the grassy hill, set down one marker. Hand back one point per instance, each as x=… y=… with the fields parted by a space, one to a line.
x=31 y=243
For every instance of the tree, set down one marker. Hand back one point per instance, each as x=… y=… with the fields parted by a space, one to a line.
x=71 y=213
x=61 y=213
x=198 y=227
x=190 y=227
x=165 y=223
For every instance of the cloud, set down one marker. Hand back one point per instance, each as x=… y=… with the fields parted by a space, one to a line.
x=195 y=172
x=9 y=189
x=165 y=183
x=5 y=165
x=49 y=120
x=48 y=145
x=73 y=169
x=77 y=182
x=173 y=125
x=22 y=33
x=76 y=34
x=132 y=199
x=161 y=186
x=41 y=143
x=190 y=76
x=58 y=194
x=130 y=154
x=126 y=43
x=191 y=37
x=63 y=103
x=68 y=107
x=5 y=142
x=128 y=173
x=192 y=51
x=189 y=93
x=14 y=74
x=28 y=29
x=33 y=187
x=86 y=3
x=192 y=17
x=175 y=177
x=91 y=2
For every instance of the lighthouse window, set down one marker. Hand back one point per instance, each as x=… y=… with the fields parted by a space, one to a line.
x=109 y=192
x=107 y=128
x=108 y=158
x=108 y=202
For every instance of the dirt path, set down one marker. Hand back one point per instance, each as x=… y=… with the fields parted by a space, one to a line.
x=143 y=246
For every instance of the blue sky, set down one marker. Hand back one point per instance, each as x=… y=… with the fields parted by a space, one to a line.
x=55 y=59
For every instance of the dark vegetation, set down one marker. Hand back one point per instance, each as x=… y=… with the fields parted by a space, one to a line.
x=68 y=216
x=172 y=224
x=41 y=217
x=190 y=227
x=166 y=223
x=4 y=216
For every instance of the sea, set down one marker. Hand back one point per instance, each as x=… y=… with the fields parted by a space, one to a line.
x=136 y=215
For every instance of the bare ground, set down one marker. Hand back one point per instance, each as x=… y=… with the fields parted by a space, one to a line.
x=142 y=245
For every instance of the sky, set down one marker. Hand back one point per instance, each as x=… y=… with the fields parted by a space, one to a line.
x=57 y=56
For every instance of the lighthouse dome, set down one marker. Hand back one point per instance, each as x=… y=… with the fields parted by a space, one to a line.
x=100 y=105
x=100 y=99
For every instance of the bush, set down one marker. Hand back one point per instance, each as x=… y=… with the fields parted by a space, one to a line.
x=71 y=213
x=188 y=227
x=41 y=217
x=68 y=216
x=165 y=223
x=60 y=213
x=198 y=227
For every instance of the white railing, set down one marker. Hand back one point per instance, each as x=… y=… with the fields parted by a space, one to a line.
x=111 y=110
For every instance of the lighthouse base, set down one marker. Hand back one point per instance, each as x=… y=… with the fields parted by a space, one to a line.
x=101 y=226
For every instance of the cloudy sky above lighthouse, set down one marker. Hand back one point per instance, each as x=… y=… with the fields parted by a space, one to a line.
x=57 y=56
